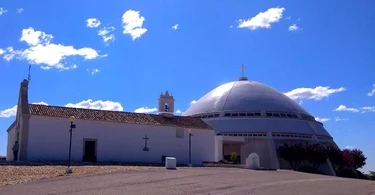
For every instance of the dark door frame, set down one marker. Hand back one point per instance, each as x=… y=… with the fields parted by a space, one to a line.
x=84 y=147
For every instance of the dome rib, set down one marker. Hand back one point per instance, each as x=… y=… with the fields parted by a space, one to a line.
x=226 y=99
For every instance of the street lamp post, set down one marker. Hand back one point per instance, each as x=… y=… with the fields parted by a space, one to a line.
x=190 y=134
x=72 y=126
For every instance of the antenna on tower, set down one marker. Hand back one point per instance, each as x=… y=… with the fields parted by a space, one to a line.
x=29 y=75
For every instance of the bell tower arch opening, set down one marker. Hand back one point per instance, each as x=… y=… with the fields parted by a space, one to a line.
x=166 y=104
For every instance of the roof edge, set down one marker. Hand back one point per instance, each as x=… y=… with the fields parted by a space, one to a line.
x=11 y=126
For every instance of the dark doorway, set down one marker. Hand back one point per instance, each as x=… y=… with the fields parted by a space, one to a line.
x=89 y=150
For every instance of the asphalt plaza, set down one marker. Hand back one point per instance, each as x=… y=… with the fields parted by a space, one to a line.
x=202 y=180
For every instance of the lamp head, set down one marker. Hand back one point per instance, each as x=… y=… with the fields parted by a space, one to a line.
x=190 y=131
x=72 y=119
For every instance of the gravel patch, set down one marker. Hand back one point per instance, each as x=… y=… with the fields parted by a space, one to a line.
x=20 y=174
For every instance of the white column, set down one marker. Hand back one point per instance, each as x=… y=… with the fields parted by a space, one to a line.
x=272 y=152
x=218 y=148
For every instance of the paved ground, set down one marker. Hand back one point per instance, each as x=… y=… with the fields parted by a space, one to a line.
x=196 y=181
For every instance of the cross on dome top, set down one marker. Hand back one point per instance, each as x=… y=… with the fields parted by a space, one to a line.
x=243 y=78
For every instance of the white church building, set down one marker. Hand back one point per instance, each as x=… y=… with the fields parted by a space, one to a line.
x=251 y=117
x=107 y=136
x=241 y=116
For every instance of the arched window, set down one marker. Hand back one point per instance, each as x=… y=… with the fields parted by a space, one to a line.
x=166 y=108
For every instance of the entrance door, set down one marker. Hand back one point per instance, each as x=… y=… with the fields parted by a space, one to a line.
x=89 y=153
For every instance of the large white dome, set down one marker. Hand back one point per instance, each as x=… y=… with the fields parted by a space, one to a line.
x=244 y=95
x=249 y=106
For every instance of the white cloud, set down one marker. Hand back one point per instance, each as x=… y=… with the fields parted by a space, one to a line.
x=3 y=11
x=92 y=22
x=133 y=22
x=52 y=54
x=98 y=105
x=344 y=108
x=19 y=10
x=348 y=147
x=263 y=19
x=32 y=37
x=372 y=92
x=145 y=110
x=2 y=51
x=93 y=71
x=317 y=93
x=60 y=67
x=106 y=34
x=178 y=112
x=46 y=54
x=193 y=102
x=322 y=119
x=41 y=103
x=368 y=109
x=337 y=119
x=11 y=53
x=175 y=27
x=293 y=27
x=8 y=112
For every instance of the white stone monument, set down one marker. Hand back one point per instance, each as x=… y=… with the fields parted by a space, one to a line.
x=68 y=170
x=170 y=163
x=252 y=162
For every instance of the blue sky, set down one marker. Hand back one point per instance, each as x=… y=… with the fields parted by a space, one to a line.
x=320 y=53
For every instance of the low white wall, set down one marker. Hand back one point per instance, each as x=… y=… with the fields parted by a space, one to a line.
x=117 y=142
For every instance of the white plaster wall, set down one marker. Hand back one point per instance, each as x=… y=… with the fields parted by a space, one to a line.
x=11 y=140
x=117 y=142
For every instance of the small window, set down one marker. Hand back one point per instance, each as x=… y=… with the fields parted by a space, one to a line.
x=276 y=114
x=269 y=114
x=239 y=134
x=227 y=114
x=234 y=134
x=210 y=116
x=204 y=116
x=283 y=115
x=234 y=114
x=295 y=116
x=216 y=115
x=242 y=114
x=166 y=108
x=257 y=114
x=290 y=116
x=250 y=114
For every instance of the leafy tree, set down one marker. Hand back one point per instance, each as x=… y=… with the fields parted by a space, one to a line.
x=316 y=155
x=348 y=158
x=359 y=159
x=294 y=154
x=336 y=157
x=233 y=156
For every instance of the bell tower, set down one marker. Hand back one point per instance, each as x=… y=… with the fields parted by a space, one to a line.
x=166 y=104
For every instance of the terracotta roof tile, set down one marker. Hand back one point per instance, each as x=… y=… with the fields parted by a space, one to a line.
x=116 y=116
